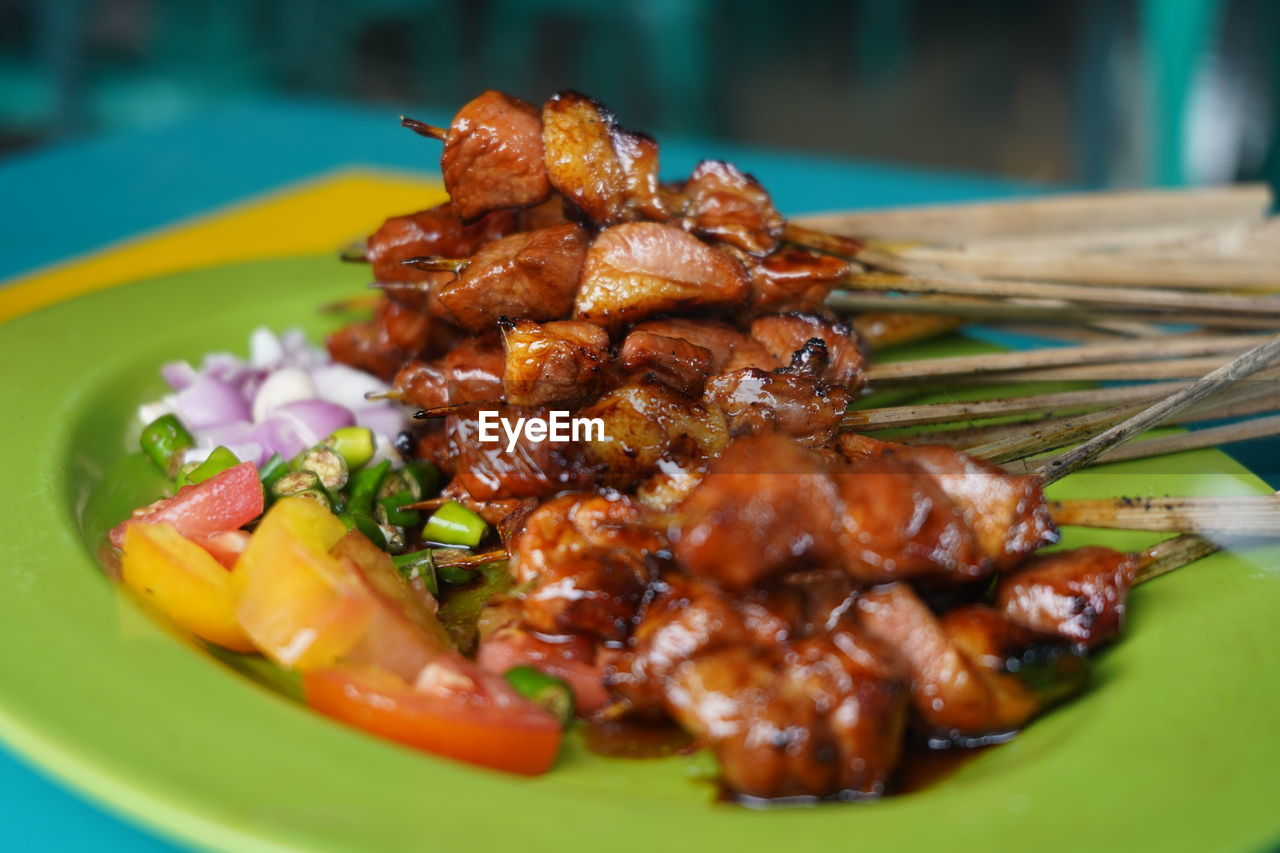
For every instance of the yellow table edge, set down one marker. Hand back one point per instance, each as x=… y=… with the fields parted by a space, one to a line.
x=313 y=216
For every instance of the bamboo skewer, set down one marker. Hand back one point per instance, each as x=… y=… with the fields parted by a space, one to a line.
x=1164 y=270
x=1062 y=403
x=1122 y=371
x=1248 y=515
x=1077 y=212
x=1196 y=440
x=1095 y=294
x=1005 y=311
x=968 y=438
x=1172 y=554
x=1087 y=354
x=1243 y=365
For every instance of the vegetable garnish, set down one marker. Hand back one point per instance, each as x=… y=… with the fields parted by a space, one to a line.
x=286 y=398
x=550 y=692
x=453 y=708
x=454 y=524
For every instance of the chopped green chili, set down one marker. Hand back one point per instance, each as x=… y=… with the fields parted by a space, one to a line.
x=273 y=469
x=366 y=525
x=164 y=440
x=354 y=444
x=364 y=487
x=294 y=482
x=454 y=524
x=390 y=510
x=327 y=464
x=550 y=692
x=419 y=564
x=219 y=460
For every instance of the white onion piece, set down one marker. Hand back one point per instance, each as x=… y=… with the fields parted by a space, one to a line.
x=208 y=402
x=265 y=349
x=314 y=420
x=287 y=385
x=344 y=385
x=178 y=374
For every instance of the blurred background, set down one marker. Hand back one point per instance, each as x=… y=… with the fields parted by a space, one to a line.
x=1085 y=92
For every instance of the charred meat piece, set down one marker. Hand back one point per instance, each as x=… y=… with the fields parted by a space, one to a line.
x=470 y=373
x=364 y=347
x=792 y=279
x=493 y=156
x=729 y=348
x=563 y=362
x=689 y=617
x=824 y=717
x=588 y=560
x=755 y=402
x=770 y=507
x=606 y=174
x=673 y=361
x=1078 y=595
x=532 y=275
x=438 y=232
x=722 y=203
x=1007 y=513
x=955 y=695
x=498 y=469
x=647 y=423
x=639 y=269
x=405 y=330
x=786 y=336
x=896 y=522
x=767 y=506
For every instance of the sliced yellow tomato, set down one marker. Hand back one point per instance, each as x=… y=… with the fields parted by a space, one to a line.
x=404 y=634
x=300 y=605
x=184 y=581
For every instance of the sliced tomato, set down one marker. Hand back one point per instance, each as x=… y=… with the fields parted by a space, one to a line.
x=455 y=709
x=227 y=501
x=570 y=658
x=184 y=581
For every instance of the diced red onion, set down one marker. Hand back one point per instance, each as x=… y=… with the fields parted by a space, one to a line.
x=383 y=420
x=178 y=374
x=314 y=419
x=225 y=366
x=208 y=402
x=284 y=399
x=280 y=436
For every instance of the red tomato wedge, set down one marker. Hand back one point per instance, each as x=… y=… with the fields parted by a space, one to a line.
x=227 y=501
x=456 y=710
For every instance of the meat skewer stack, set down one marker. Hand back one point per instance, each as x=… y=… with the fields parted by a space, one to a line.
x=727 y=555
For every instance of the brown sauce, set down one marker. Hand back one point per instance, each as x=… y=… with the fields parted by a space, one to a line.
x=922 y=767
x=631 y=739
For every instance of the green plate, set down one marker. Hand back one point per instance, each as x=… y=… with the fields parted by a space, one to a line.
x=1175 y=746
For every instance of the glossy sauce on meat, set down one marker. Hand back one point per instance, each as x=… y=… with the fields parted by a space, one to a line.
x=532 y=275
x=639 y=269
x=493 y=156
